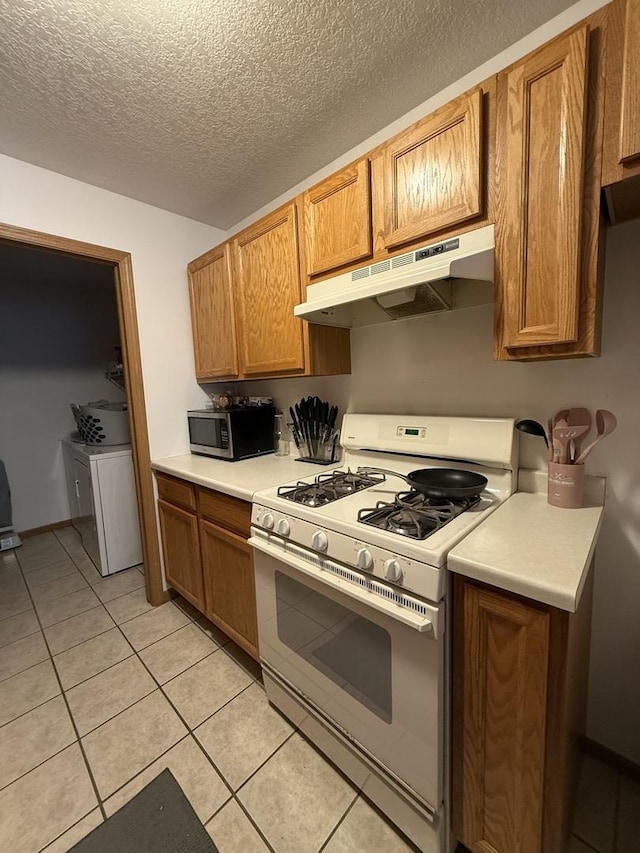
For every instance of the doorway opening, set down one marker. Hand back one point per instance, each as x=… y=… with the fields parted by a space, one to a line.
x=119 y=265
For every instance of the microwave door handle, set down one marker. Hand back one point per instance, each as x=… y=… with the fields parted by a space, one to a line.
x=293 y=556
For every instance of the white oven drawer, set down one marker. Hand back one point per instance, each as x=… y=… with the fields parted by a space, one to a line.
x=380 y=678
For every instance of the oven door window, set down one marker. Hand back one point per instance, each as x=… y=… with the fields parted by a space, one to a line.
x=347 y=648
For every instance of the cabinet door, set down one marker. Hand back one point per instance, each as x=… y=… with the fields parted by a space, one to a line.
x=267 y=277
x=432 y=172
x=630 y=107
x=501 y=658
x=212 y=316
x=337 y=219
x=540 y=221
x=621 y=149
x=230 y=592
x=181 y=552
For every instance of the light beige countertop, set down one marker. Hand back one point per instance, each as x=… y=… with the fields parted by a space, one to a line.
x=526 y=546
x=240 y=479
x=533 y=549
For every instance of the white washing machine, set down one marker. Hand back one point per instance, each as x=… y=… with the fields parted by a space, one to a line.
x=104 y=510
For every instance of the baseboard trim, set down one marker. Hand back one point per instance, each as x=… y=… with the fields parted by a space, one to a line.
x=46 y=528
x=613 y=759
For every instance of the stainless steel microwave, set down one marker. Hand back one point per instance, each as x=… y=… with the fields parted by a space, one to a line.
x=236 y=433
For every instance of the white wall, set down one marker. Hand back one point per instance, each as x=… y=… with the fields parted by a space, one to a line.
x=161 y=244
x=57 y=338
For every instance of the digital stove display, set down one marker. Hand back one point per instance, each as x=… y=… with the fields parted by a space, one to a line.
x=414 y=515
x=329 y=487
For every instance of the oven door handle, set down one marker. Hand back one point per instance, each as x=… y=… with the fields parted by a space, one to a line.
x=361 y=588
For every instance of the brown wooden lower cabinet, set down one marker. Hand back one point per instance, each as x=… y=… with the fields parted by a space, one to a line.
x=519 y=700
x=229 y=585
x=181 y=552
x=207 y=557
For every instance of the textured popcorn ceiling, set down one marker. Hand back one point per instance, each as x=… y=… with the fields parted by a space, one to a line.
x=211 y=108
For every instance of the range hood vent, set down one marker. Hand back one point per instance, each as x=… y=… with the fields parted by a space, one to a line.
x=456 y=273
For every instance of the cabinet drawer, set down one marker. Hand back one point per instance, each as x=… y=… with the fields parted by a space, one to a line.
x=225 y=510
x=176 y=491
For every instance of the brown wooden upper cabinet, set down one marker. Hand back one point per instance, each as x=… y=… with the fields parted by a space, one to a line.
x=548 y=222
x=212 y=316
x=621 y=161
x=432 y=173
x=337 y=219
x=267 y=279
x=242 y=298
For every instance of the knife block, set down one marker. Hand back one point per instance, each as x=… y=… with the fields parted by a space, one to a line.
x=319 y=452
x=330 y=454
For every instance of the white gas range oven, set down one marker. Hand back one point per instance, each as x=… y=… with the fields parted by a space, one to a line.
x=351 y=589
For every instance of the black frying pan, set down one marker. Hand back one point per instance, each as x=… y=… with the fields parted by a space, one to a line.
x=440 y=482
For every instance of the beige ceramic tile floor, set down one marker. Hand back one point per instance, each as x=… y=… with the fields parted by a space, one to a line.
x=99 y=692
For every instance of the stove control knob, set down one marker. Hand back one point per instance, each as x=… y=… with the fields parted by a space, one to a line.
x=364 y=558
x=319 y=541
x=284 y=528
x=267 y=521
x=392 y=570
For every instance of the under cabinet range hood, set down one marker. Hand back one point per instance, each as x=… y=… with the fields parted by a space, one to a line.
x=454 y=273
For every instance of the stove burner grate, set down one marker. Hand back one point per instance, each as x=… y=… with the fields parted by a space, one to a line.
x=414 y=515
x=416 y=525
x=329 y=487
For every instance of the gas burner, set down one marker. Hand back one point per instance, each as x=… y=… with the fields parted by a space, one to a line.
x=347 y=482
x=414 y=515
x=410 y=523
x=329 y=487
x=310 y=494
x=316 y=495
